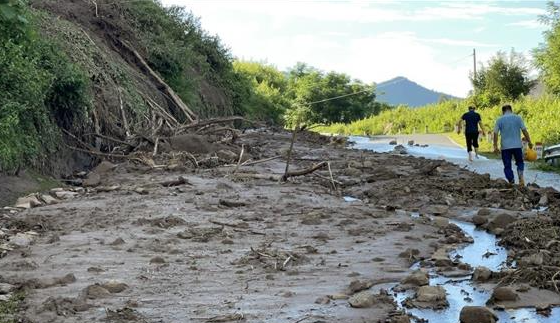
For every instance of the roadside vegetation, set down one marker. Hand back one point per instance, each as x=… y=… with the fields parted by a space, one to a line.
x=504 y=79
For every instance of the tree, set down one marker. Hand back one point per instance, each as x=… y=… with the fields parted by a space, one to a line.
x=504 y=79
x=327 y=98
x=547 y=55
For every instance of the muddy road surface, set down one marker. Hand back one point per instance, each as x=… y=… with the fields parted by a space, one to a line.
x=227 y=241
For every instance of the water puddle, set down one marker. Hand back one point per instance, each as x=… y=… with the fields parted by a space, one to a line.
x=350 y=199
x=461 y=292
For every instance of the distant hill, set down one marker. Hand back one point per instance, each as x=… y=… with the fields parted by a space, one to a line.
x=401 y=90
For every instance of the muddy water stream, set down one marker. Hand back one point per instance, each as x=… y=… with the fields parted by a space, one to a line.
x=462 y=292
x=484 y=251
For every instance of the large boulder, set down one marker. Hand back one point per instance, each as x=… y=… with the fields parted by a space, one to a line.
x=362 y=300
x=500 y=222
x=477 y=314
x=482 y=274
x=504 y=294
x=416 y=278
x=430 y=294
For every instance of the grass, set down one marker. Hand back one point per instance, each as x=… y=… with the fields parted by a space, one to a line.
x=9 y=308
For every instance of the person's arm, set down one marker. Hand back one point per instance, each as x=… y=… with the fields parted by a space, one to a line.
x=460 y=124
x=528 y=138
x=496 y=130
x=525 y=133
x=481 y=128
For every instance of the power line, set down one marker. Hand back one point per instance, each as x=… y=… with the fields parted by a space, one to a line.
x=337 y=97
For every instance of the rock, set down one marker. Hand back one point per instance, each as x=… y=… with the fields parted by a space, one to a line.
x=157 y=260
x=411 y=142
x=362 y=300
x=227 y=155
x=392 y=142
x=359 y=285
x=443 y=262
x=543 y=201
x=504 y=294
x=104 y=167
x=410 y=253
x=430 y=294
x=353 y=172
x=324 y=300
x=417 y=278
x=141 y=191
x=28 y=202
x=500 y=221
x=23 y=240
x=96 y=291
x=484 y=212
x=535 y=259
x=477 y=314
x=400 y=149
x=6 y=288
x=479 y=220
x=49 y=200
x=93 y=179
x=114 y=286
x=400 y=319
x=440 y=222
x=481 y=274
x=65 y=195
x=117 y=242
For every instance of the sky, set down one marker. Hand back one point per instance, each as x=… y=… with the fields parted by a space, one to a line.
x=429 y=42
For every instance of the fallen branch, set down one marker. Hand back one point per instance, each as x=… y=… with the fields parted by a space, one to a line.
x=176 y=182
x=232 y=203
x=240 y=158
x=330 y=173
x=203 y=123
x=249 y=163
x=288 y=158
x=304 y=171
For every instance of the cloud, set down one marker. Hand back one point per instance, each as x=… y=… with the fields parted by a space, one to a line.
x=456 y=42
x=356 y=11
x=532 y=24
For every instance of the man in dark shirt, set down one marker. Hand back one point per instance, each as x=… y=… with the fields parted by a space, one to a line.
x=472 y=122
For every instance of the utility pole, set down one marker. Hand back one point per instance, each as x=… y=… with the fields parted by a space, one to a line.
x=474 y=62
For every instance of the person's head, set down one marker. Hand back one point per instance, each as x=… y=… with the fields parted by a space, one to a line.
x=507 y=108
x=471 y=108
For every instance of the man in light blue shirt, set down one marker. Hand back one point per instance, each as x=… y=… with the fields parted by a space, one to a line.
x=509 y=126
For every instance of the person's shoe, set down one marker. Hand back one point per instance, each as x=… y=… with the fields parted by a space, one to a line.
x=521 y=181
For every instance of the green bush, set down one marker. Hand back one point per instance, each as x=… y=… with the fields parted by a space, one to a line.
x=39 y=85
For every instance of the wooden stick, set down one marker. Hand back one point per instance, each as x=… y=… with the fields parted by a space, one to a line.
x=156 y=147
x=240 y=157
x=197 y=123
x=330 y=173
x=294 y=134
x=249 y=163
x=123 y=114
x=304 y=171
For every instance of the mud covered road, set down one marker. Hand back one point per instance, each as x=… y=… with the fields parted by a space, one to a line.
x=224 y=243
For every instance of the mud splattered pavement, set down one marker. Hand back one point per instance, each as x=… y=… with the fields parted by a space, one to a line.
x=230 y=243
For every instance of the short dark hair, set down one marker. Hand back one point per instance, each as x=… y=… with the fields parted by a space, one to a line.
x=471 y=107
x=506 y=107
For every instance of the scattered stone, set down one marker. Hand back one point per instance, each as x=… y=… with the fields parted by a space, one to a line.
x=392 y=142
x=430 y=294
x=104 y=167
x=544 y=309
x=6 y=288
x=227 y=241
x=323 y=300
x=114 y=286
x=93 y=179
x=417 y=278
x=484 y=212
x=49 y=200
x=141 y=190
x=411 y=142
x=157 y=260
x=65 y=195
x=359 y=285
x=64 y=305
x=96 y=270
x=95 y=291
x=362 y=300
x=479 y=220
x=481 y=274
x=227 y=155
x=440 y=222
x=24 y=239
x=477 y=314
x=28 y=202
x=118 y=241
x=504 y=294
x=500 y=221
x=535 y=259
x=400 y=319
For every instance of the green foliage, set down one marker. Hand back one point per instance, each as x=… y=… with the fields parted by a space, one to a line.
x=38 y=86
x=10 y=307
x=186 y=55
x=267 y=101
x=547 y=56
x=504 y=79
x=540 y=116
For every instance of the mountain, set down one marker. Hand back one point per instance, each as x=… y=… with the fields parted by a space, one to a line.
x=401 y=90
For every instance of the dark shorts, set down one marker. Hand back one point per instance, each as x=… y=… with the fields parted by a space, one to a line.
x=472 y=140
